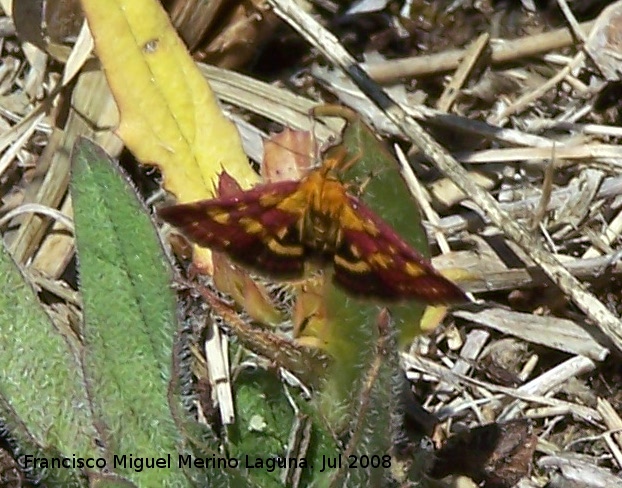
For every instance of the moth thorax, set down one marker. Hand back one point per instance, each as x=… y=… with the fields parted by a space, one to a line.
x=321 y=232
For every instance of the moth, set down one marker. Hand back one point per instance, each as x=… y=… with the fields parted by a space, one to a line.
x=277 y=228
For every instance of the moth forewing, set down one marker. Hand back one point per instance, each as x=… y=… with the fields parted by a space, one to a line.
x=279 y=228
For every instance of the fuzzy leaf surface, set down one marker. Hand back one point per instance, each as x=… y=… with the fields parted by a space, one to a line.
x=43 y=401
x=129 y=315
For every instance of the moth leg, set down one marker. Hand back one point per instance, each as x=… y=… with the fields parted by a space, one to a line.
x=358 y=189
x=346 y=164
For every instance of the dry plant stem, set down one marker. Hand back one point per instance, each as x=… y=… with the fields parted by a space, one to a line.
x=30 y=123
x=609 y=154
x=557 y=376
x=428 y=366
x=9 y=156
x=587 y=129
x=582 y=473
x=502 y=52
x=610 y=187
x=510 y=279
x=549 y=381
x=451 y=91
x=34 y=118
x=552 y=332
x=614 y=448
x=608 y=236
x=473 y=345
x=612 y=420
x=57 y=249
x=576 y=28
x=217 y=350
x=79 y=54
x=330 y=47
x=545 y=198
x=92 y=109
x=269 y=101
x=417 y=191
x=293 y=110
x=28 y=208
x=531 y=97
x=60 y=288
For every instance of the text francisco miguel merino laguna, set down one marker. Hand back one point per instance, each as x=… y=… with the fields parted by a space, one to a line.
x=138 y=464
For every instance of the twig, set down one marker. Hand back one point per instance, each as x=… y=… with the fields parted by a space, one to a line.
x=451 y=91
x=545 y=198
x=292 y=110
x=417 y=191
x=613 y=422
x=576 y=28
x=502 y=52
x=609 y=152
x=608 y=236
x=428 y=366
x=611 y=187
x=531 y=97
x=29 y=208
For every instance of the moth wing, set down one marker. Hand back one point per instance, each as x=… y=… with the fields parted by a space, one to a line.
x=249 y=226
x=374 y=260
